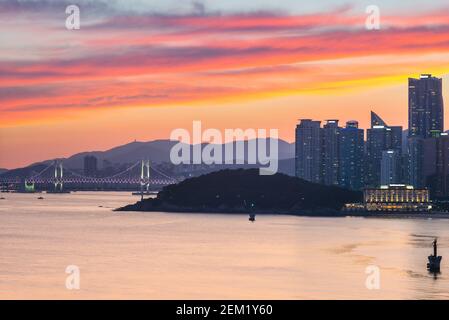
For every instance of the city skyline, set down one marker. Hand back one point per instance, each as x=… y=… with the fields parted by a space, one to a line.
x=140 y=73
x=340 y=156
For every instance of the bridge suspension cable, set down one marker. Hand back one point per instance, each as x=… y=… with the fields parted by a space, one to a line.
x=110 y=177
x=58 y=164
x=163 y=174
x=40 y=173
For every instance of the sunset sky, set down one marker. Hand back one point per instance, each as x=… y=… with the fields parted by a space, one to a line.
x=139 y=69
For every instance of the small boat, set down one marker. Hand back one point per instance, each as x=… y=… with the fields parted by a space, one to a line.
x=252 y=217
x=40 y=198
x=434 y=260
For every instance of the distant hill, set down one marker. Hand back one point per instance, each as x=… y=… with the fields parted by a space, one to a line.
x=157 y=152
x=3 y=170
x=243 y=191
x=24 y=172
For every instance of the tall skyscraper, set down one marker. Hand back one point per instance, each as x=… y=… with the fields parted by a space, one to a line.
x=330 y=152
x=434 y=168
x=415 y=162
x=380 y=137
x=90 y=166
x=425 y=106
x=352 y=144
x=390 y=168
x=308 y=150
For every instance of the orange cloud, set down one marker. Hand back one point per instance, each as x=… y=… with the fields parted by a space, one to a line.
x=140 y=62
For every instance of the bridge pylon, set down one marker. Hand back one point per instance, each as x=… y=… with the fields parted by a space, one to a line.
x=144 y=176
x=59 y=173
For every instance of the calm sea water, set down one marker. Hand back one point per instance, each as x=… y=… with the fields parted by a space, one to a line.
x=199 y=256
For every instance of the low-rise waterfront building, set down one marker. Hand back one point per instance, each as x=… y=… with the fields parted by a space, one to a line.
x=394 y=198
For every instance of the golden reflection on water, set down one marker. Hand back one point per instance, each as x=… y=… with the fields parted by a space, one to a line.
x=197 y=256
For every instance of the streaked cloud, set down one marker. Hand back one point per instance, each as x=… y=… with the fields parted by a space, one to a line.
x=153 y=59
x=148 y=53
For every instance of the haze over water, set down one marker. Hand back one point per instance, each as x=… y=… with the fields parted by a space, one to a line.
x=199 y=256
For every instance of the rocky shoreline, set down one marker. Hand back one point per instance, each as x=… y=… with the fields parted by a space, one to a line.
x=167 y=208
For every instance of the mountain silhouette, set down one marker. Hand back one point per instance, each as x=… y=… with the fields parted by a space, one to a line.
x=157 y=151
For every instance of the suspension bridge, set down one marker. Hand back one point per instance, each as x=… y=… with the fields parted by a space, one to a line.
x=56 y=175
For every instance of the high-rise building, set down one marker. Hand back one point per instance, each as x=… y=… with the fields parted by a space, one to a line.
x=390 y=168
x=395 y=139
x=90 y=166
x=380 y=137
x=415 y=155
x=352 y=146
x=425 y=106
x=376 y=120
x=308 y=150
x=391 y=134
x=330 y=152
x=435 y=164
x=429 y=163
